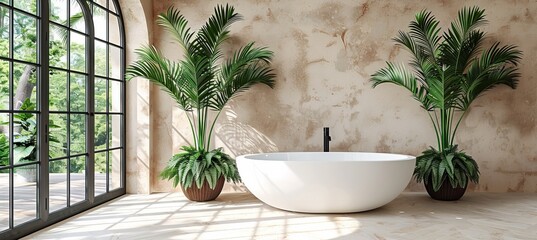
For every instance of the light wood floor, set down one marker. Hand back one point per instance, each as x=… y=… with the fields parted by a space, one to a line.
x=242 y=216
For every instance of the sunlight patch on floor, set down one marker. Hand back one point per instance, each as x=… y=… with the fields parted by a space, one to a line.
x=242 y=216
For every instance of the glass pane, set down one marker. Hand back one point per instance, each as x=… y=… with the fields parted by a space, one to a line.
x=4 y=140
x=114 y=67
x=114 y=96
x=101 y=2
x=58 y=90
x=77 y=99
x=25 y=194
x=4 y=200
x=112 y=6
x=100 y=131
x=100 y=173
x=24 y=82
x=100 y=58
x=4 y=32
x=26 y=5
x=24 y=37
x=78 y=52
x=78 y=179
x=78 y=133
x=76 y=19
x=100 y=95
x=4 y=1
x=99 y=19
x=115 y=131
x=114 y=36
x=4 y=85
x=57 y=185
x=25 y=139
x=58 y=135
x=58 y=11
x=114 y=168
x=57 y=46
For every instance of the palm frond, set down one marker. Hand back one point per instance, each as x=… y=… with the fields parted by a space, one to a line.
x=247 y=67
x=166 y=74
x=199 y=84
x=463 y=40
x=424 y=30
x=215 y=31
x=468 y=19
x=445 y=91
x=399 y=75
x=491 y=70
x=176 y=24
x=460 y=54
x=419 y=60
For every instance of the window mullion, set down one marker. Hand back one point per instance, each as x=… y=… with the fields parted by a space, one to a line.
x=43 y=96
x=11 y=108
x=90 y=104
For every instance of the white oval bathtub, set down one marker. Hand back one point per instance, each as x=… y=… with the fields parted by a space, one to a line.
x=326 y=182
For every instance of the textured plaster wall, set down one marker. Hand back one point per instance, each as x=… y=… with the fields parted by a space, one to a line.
x=137 y=16
x=325 y=52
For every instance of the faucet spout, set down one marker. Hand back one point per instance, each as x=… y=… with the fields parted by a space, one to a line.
x=326 y=139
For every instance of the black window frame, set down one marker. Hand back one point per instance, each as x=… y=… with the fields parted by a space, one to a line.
x=43 y=217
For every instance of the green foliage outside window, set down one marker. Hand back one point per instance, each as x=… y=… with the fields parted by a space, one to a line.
x=25 y=42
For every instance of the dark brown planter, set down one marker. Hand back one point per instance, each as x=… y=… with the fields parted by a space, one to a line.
x=446 y=191
x=205 y=193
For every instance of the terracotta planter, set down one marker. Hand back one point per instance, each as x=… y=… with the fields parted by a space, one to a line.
x=446 y=191
x=205 y=193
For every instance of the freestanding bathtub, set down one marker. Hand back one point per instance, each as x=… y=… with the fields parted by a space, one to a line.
x=326 y=182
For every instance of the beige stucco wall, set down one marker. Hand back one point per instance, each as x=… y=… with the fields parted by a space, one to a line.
x=325 y=52
x=137 y=16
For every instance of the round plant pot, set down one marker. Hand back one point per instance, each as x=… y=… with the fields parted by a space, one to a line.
x=205 y=193
x=446 y=191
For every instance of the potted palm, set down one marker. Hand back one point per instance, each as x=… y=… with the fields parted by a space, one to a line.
x=449 y=72
x=201 y=83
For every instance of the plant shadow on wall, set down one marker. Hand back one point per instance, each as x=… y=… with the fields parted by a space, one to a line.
x=241 y=138
x=201 y=83
x=449 y=72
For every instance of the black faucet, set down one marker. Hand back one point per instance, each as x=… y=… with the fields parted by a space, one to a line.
x=327 y=139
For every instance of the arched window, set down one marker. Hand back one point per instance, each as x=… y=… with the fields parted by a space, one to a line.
x=62 y=144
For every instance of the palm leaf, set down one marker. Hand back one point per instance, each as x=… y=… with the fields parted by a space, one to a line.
x=247 y=67
x=462 y=40
x=445 y=91
x=176 y=24
x=166 y=74
x=491 y=70
x=399 y=75
x=424 y=30
x=215 y=31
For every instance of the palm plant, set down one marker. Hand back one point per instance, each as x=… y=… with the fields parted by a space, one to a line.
x=449 y=72
x=201 y=83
